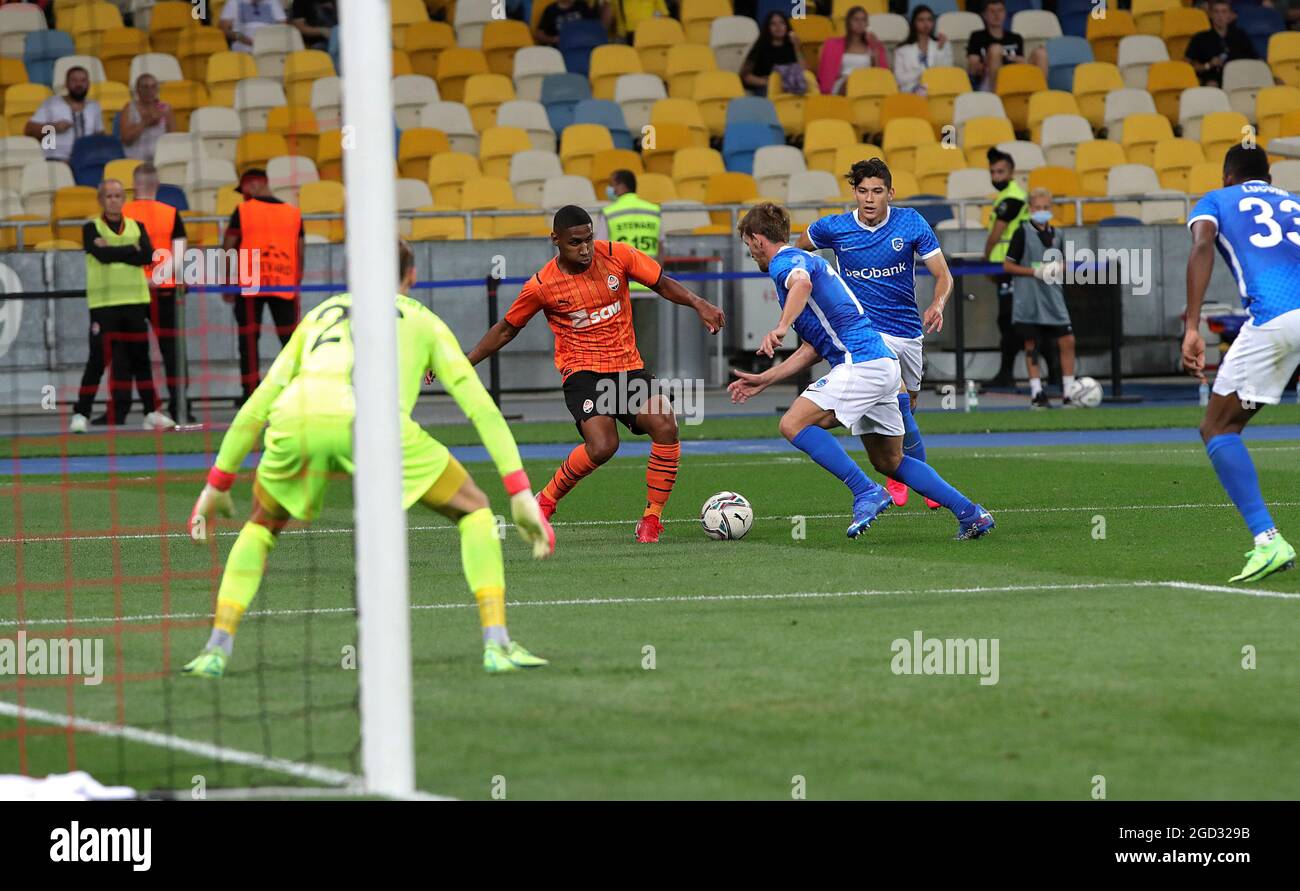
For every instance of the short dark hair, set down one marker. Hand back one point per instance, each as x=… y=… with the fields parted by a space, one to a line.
x=405 y=259
x=569 y=216
x=996 y=154
x=625 y=178
x=1245 y=164
x=871 y=168
x=80 y=68
x=770 y=220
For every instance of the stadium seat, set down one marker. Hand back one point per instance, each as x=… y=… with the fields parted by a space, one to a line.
x=163 y=66
x=730 y=38
x=1286 y=175
x=218 y=129
x=958 y=26
x=88 y=21
x=16 y=152
x=502 y=41
x=652 y=40
x=31 y=236
x=728 y=188
x=112 y=98
x=903 y=136
x=12 y=71
x=416 y=146
x=300 y=69
x=741 y=140
x=1271 y=105
x=297 y=124
x=789 y=106
x=256 y=149
x=866 y=90
x=577 y=41
x=117 y=47
x=1137 y=53
x=773 y=167
x=1063 y=54
x=817 y=185
x=1141 y=133
x=608 y=63
x=424 y=42
x=828 y=108
x=981 y=134
x=1174 y=159
x=404 y=14
x=1036 y=27
x=561 y=190
x=1259 y=23
x=286 y=174
x=174 y=150
x=848 y=155
x=607 y=114
x=605 y=162
x=184 y=96
x=684 y=62
x=41 y=50
x=89 y=155
x=891 y=29
x=1166 y=82
x=691 y=170
x=971 y=184
x=455 y=66
x=1283 y=57
x=225 y=70
x=697 y=17
x=1122 y=103
x=712 y=91
x=17 y=20
x=123 y=170
x=195 y=46
x=668 y=138
x=532 y=65
x=934 y=163
x=560 y=95
x=401 y=64
x=484 y=93
x=1179 y=25
x=1093 y=160
x=203 y=179
x=254 y=99
x=166 y=21
x=529 y=172
x=453 y=119
x=469 y=21
x=655 y=187
x=1220 y=131
x=75 y=203
x=636 y=94
x=1148 y=15
x=1092 y=81
x=942 y=87
x=272 y=46
x=411 y=92
x=21 y=102
x=975 y=105
x=754 y=110
x=173 y=195
x=1062 y=182
x=90 y=63
x=530 y=117
x=329 y=155
x=822 y=138
x=1028 y=157
x=1242 y=81
x=1204 y=178
x=812 y=30
x=497 y=145
x=1016 y=83
x=683 y=217
x=1105 y=33
x=448 y=174
x=908 y=105
x=1195 y=103
x=579 y=143
x=684 y=112
x=1044 y=104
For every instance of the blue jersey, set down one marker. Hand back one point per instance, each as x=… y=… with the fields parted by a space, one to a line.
x=1259 y=239
x=833 y=322
x=878 y=263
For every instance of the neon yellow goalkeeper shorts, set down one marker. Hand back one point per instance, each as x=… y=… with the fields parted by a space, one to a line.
x=301 y=456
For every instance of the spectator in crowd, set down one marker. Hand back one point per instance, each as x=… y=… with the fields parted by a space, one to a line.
x=858 y=48
x=1221 y=43
x=777 y=45
x=561 y=12
x=145 y=119
x=630 y=13
x=241 y=19
x=996 y=45
x=921 y=50
x=274 y=230
x=314 y=19
x=62 y=120
x=117 y=250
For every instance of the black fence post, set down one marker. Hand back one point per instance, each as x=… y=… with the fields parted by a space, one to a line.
x=494 y=361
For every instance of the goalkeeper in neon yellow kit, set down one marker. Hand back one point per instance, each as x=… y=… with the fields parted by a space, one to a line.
x=307 y=399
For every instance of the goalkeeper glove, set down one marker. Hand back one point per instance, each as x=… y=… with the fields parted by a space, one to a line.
x=532 y=526
x=214 y=499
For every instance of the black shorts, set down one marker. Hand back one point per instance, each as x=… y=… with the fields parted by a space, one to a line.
x=619 y=394
x=1040 y=333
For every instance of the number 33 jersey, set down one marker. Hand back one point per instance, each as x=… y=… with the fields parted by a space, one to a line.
x=1259 y=238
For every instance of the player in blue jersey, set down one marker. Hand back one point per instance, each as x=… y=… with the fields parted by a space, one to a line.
x=875 y=247
x=860 y=391
x=1256 y=227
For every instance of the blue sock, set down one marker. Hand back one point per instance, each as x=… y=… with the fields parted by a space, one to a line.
x=922 y=477
x=1237 y=474
x=823 y=448
x=912 y=445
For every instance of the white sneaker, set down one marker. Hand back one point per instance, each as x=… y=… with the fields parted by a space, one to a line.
x=78 y=423
x=157 y=420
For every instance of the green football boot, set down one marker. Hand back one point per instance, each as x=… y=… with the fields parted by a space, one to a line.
x=1265 y=560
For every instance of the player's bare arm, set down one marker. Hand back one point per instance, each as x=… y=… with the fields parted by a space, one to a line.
x=1200 y=264
x=674 y=291
x=805 y=243
x=932 y=319
x=496 y=337
x=751 y=384
x=795 y=302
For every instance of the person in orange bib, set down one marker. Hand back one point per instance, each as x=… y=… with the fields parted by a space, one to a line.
x=584 y=294
x=167 y=235
x=265 y=224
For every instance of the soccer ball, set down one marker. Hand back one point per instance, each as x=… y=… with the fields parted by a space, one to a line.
x=726 y=515
x=1086 y=392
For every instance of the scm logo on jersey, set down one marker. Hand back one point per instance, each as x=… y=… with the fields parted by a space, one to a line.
x=583 y=319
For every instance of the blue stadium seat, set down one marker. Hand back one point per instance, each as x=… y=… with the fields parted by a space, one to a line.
x=1121 y=221
x=940 y=7
x=1073 y=15
x=1015 y=6
x=1063 y=54
x=40 y=51
x=560 y=93
x=577 y=40
x=766 y=7
x=90 y=154
x=754 y=110
x=173 y=195
x=609 y=115
x=934 y=214
x=742 y=139
x=1259 y=23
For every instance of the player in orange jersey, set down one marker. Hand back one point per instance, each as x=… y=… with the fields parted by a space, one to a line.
x=584 y=294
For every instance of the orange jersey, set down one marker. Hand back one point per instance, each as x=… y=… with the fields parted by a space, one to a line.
x=591 y=312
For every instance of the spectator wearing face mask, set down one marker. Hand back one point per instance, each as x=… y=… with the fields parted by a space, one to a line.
x=62 y=120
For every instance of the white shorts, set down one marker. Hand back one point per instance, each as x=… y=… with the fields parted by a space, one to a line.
x=1260 y=362
x=864 y=396
x=908 y=351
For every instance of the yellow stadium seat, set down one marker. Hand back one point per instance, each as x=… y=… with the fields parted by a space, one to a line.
x=112 y=98
x=1016 y=83
x=1148 y=15
x=692 y=168
x=437 y=228
x=942 y=87
x=728 y=188
x=1062 y=182
x=866 y=89
x=329 y=155
x=579 y=144
x=406 y=13
x=200 y=234
x=608 y=63
x=484 y=93
x=73 y=203
x=828 y=108
x=904 y=105
x=1178 y=26
x=301 y=68
x=1284 y=57
x=713 y=91
x=522 y=226
x=448 y=173
x=1271 y=105
x=1220 y=131
x=455 y=66
x=669 y=138
x=224 y=71
x=933 y=164
x=297 y=124
x=195 y=46
x=1105 y=33
x=684 y=62
x=21 y=101
x=501 y=40
x=821 y=140
x=417 y=146
x=1092 y=81
x=123 y=170
x=848 y=155
x=905 y=184
x=424 y=42
x=31 y=235
x=485 y=193
x=656 y=187
x=605 y=162
x=789 y=106
x=12 y=71
x=840 y=10
x=116 y=49
x=1204 y=178
x=166 y=21
x=903 y=136
x=87 y=22
x=1093 y=160
x=496 y=145
x=402 y=64
x=697 y=17
x=653 y=38
x=983 y=133
x=684 y=112
x=1141 y=134
x=1044 y=104
x=1173 y=161
x=1166 y=82
x=184 y=96
x=813 y=31
x=256 y=149
x=228 y=198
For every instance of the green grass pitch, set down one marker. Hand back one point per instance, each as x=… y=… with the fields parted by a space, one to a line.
x=772 y=655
